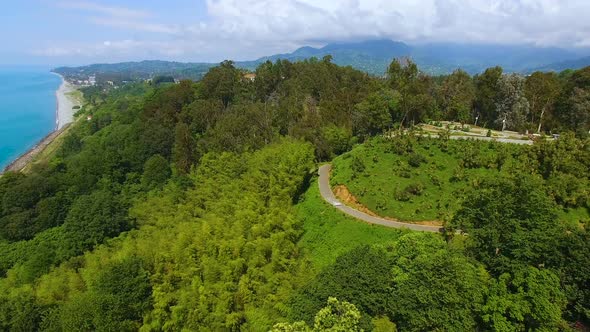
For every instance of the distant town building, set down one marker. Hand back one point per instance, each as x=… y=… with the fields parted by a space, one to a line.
x=250 y=76
x=92 y=80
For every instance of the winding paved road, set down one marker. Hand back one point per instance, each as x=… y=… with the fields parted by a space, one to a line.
x=328 y=196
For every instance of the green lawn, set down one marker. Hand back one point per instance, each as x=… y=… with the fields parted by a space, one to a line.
x=330 y=233
x=426 y=179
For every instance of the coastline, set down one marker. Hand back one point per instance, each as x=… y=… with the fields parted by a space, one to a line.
x=64 y=116
x=26 y=158
x=64 y=112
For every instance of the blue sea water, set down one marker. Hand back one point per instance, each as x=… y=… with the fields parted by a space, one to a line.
x=27 y=109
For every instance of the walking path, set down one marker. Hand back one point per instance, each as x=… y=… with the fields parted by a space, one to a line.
x=328 y=196
x=496 y=139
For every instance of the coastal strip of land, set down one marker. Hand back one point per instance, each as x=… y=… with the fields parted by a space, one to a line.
x=66 y=101
x=22 y=161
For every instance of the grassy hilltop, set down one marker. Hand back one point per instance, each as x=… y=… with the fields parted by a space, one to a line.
x=426 y=179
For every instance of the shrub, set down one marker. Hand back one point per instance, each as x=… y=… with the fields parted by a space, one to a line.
x=357 y=165
x=415 y=189
x=416 y=159
x=568 y=190
x=404 y=172
x=458 y=174
x=435 y=180
x=402 y=196
x=402 y=145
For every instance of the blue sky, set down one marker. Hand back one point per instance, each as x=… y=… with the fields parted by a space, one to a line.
x=71 y=32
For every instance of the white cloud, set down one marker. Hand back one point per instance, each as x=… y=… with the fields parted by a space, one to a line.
x=113 y=11
x=119 y=17
x=542 y=22
x=246 y=29
x=136 y=25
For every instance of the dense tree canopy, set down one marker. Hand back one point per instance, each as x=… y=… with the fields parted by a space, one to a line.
x=172 y=208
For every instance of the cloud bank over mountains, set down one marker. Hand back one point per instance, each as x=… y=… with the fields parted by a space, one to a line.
x=246 y=29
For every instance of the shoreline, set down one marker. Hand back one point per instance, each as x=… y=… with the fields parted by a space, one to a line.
x=26 y=158
x=64 y=112
x=64 y=116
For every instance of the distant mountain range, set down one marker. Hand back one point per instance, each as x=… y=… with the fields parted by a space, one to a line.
x=438 y=58
x=563 y=65
x=137 y=70
x=373 y=56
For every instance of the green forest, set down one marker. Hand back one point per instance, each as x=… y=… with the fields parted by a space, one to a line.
x=195 y=207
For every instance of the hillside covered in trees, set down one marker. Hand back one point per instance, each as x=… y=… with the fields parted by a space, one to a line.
x=370 y=56
x=194 y=206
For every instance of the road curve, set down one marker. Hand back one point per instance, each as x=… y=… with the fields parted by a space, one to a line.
x=328 y=196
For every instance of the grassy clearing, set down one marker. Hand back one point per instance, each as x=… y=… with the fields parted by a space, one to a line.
x=77 y=96
x=425 y=179
x=330 y=233
x=392 y=187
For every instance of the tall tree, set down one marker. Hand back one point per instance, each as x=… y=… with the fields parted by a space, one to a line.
x=458 y=95
x=94 y=218
x=184 y=148
x=541 y=90
x=337 y=316
x=155 y=171
x=374 y=114
x=573 y=110
x=575 y=115
x=401 y=73
x=512 y=106
x=511 y=222
x=487 y=94
x=528 y=299
x=414 y=88
x=222 y=82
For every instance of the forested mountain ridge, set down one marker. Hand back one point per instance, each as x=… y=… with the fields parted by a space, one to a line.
x=564 y=65
x=133 y=71
x=371 y=56
x=374 y=56
x=192 y=206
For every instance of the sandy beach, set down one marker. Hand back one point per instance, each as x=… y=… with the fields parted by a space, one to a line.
x=65 y=103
